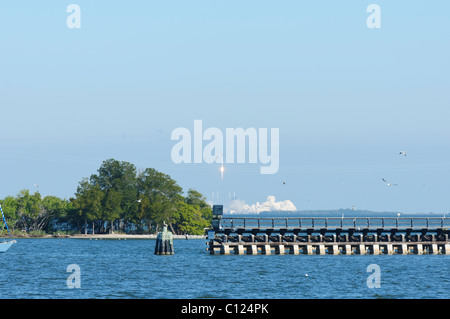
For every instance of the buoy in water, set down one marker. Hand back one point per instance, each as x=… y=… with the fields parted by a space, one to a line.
x=164 y=242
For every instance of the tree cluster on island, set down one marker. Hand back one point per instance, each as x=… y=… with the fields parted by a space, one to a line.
x=118 y=199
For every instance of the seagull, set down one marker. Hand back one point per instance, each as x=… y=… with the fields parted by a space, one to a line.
x=388 y=184
x=284 y=183
x=402 y=152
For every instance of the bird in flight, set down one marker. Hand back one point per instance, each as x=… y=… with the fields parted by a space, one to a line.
x=402 y=152
x=388 y=184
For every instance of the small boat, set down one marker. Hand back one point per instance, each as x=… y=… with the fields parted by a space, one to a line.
x=4 y=246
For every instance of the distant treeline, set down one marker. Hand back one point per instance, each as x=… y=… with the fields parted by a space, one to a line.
x=116 y=199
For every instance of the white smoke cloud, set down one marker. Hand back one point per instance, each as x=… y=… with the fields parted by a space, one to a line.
x=239 y=206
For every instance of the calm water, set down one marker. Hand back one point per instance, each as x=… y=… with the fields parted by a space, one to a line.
x=37 y=268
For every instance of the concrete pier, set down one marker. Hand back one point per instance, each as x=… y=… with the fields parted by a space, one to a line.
x=253 y=236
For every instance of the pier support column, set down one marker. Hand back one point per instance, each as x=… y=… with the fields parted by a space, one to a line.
x=404 y=249
x=447 y=249
x=279 y=250
x=213 y=250
x=225 y=250
x=239 y=250
x=376 y=249
x=308 y=249
x=362 y=249
x=348 y=249
x=335 y=249
x=266 y=250
x=418 y=249
x=294 y=250
x=434 y=249
x=390 y=249
x=320 y=249
x=252 y=250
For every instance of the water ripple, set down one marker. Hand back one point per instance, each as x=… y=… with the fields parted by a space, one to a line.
x=110 y=269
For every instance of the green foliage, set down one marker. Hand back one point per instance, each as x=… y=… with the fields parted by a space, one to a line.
x=188 y=219
x=117 y=198
x=32 y=213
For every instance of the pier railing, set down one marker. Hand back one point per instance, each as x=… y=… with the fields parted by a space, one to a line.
x=333 y=222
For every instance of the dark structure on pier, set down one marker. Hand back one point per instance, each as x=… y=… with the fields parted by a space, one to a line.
x=321 y=235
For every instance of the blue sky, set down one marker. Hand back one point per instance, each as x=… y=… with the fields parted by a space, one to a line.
x=346 y=98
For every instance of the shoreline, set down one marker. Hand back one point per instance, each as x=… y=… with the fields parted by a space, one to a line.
x=108 y=236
